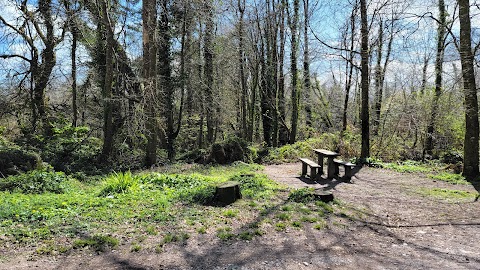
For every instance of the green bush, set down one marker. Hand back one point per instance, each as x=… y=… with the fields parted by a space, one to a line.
x=35 y=182
x=14 y=160
x=231 y=150
x=69 y=149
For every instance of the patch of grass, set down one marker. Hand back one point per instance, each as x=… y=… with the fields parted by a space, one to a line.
x=151 y=230
x=252 y=204
x=309 y=219
x=283 y=216
x=324 y=207
x=246 y=235
x=256 y=186
x=225 y=234
x=97 y=242
x=451 y=178
x=320 y=225
x=258 y=232
x=50 y=248
x=304 y=210
x=172 y=237
x=408 y=166
x=287 y=208
x=280 y=226
x=202 y=230
x=302 y=195
x=448 y=194
x=230 y=213
x=135 y=248
x=119 y=183
x=297 y=224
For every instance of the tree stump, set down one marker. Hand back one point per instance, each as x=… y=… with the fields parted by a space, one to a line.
x=228 y=192
x=324 y=195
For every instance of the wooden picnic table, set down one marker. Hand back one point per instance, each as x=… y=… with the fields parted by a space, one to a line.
x=330 y=155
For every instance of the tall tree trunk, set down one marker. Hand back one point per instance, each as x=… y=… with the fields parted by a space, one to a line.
x=165 y=76
x=306 y=67
x=365 y=153
x=149 y=17
x=108 y=131
x=351 y=55
x=241 y=64
x=74 y=74
x=378 y=81
x=470 y=150
x=208 y=71
x=293 y=68
x=283 y=132
x=45 y=68
x=441 y=31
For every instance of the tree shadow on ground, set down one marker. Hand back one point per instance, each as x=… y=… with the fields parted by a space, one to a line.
x=324 y=252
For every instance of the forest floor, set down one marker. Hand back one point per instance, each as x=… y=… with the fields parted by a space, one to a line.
x=389 y=220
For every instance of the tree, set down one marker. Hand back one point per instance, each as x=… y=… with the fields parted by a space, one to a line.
x=306 y=67
x=149 y=17
x=441 y=35
x=208 y=70
x=349 y=64
x=293 y=23
x=42 y=57
x=470 y=152
x=365 y=84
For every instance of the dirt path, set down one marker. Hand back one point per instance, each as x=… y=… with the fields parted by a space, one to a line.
x=400 y=228
x=387 y=224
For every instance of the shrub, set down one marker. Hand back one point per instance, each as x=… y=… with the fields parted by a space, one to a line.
x=68 y=149
x=14 y=160
x=231 y=150
x=452 y=157
x=35 y=182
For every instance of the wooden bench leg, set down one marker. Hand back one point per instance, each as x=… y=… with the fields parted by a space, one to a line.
x=348 y=173
x=337 y=169
x=330 y=168
x=313 y=174
x=304 y=169
x=320 y=162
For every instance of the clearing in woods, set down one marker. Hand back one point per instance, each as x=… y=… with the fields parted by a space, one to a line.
x=388 y=220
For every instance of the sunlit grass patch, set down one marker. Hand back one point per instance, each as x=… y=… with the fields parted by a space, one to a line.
x=119 y=183
x=97 y=242
x=408 y=166
x=448 y=194
x=451 y=178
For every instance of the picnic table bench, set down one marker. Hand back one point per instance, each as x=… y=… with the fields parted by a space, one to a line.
x=314 y=168
x=348 y=168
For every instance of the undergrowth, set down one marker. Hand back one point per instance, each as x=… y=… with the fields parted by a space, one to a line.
x=130 y=206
